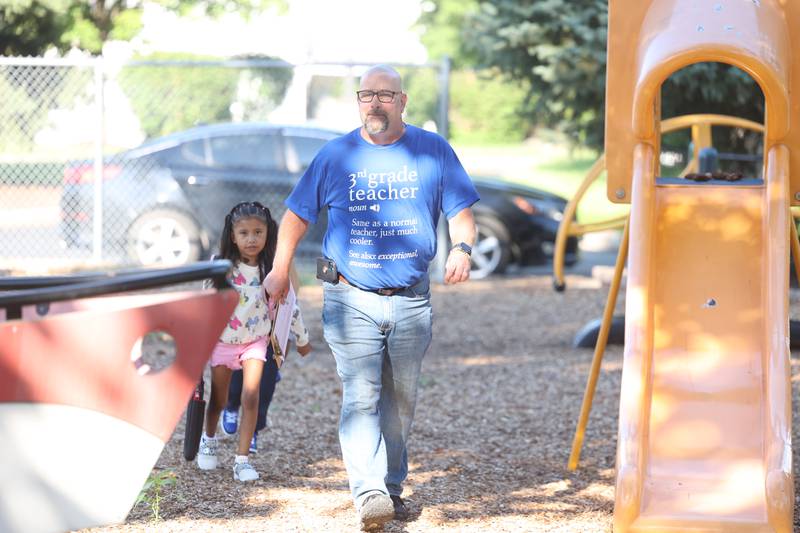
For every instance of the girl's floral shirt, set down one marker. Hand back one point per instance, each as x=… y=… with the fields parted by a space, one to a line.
x=250 y=320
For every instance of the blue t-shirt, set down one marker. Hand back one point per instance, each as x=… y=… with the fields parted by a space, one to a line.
x=383 y=203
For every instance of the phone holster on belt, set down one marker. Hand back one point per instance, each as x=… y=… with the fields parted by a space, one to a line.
x=326 y=270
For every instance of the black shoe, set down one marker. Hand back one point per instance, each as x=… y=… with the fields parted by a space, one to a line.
x=376 y=510
x=400 y=509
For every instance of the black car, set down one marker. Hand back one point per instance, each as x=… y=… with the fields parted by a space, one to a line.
x=164 y=201
x=516 y=224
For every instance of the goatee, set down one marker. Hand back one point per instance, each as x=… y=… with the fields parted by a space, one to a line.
x=375 y=124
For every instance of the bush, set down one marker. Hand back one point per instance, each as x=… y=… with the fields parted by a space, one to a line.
x=49 y=174
x=483 y=109
x=169 y=98
x=261 y=89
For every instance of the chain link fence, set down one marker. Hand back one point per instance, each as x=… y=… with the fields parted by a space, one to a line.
x=106 y=165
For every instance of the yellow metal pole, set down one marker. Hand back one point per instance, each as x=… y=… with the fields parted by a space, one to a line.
x=612 y=223
x=687 y=121
x=599 y=350
x=569 y=214
x=701 y=138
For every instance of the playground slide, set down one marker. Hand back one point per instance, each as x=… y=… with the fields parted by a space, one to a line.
x=705 y=423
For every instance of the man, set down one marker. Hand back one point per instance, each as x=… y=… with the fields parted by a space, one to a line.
x=384 y=184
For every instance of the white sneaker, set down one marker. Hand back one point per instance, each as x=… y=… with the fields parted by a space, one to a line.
x=244 y=472
x=207 y=454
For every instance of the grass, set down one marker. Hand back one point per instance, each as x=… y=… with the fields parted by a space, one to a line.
x=152 y=492
x=546 y=166
x=564 y=176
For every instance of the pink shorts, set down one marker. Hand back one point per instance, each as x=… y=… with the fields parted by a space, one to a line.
x=232 y=355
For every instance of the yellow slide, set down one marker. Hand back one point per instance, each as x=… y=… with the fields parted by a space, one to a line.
x=705 y=419
x=704 y=440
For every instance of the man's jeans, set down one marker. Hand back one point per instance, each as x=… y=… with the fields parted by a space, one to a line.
x=378 y=342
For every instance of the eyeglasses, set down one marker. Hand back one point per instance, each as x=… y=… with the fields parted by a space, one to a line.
x=384 y=97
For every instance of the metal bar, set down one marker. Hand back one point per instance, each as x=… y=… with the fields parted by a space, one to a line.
x=567 y=220
x=15 y=283
x=49 y=62
x=729 y=156
x=599 y=350
x=438 y=265
x=267 y=63
x=444 y=98
x=97 y=209
x=233 y=63
x=118 y=282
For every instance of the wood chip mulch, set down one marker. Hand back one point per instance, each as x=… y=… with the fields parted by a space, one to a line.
x=499 y=399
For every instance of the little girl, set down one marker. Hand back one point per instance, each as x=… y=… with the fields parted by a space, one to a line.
x=248 y=241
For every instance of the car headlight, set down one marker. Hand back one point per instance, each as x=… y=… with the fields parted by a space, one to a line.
x=535 y=206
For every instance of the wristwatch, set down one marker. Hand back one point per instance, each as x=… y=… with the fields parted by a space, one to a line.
x=463 y=247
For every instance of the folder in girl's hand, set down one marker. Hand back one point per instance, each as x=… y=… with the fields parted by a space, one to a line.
x=280 y=326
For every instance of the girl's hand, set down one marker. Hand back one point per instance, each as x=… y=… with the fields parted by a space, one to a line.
x=271 y=309
x=304 y=350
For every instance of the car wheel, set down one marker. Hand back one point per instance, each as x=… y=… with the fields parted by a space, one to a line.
x=164 y=237
x=492 y=250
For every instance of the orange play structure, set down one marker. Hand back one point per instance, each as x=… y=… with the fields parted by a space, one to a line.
x=704 y=441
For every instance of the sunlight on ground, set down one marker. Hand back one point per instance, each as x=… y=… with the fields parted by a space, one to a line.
x=322 y=501
x=425 y=477
x=557 y=490
x=548 y=489
x=539 y=523
x=598 y=491
x=484 y=360
x=526 y=508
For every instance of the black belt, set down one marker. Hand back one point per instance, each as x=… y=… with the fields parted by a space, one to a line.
x=383 y=292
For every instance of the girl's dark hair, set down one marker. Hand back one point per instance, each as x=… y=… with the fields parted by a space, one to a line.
x=228 y=250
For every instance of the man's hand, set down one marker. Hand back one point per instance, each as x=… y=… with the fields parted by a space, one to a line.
x=277 y=286
x=462 y=229
x=291 y=230
x=457 y=267
x=305 y=349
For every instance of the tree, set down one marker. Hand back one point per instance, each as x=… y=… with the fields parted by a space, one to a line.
x=559 y=47
x=484 y=107
x=31 y=27
x=197 y=94
x=442 y=24
x=200 y=93
x=261 y=89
